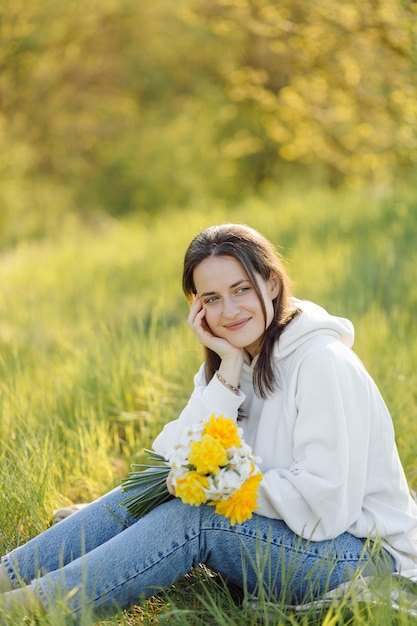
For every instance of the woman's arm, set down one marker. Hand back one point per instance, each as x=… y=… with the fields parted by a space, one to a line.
x=320 y=494
x=212 y=396
x=205 y=399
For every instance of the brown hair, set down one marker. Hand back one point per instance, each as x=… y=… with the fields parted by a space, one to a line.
x=257 y=255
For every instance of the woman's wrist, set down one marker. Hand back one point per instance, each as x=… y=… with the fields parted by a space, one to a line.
x=226 y=383
x=229 y=372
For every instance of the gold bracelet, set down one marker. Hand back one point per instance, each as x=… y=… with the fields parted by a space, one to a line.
x=226 y=384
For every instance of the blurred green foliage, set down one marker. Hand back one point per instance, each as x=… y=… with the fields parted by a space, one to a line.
x=118 y=106
x=333 y=84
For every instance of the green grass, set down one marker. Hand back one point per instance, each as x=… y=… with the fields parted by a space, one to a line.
x=95 y=356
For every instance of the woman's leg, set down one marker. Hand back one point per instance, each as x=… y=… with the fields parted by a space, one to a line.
x=267 y=559
x=59 y=545
x=163 y=546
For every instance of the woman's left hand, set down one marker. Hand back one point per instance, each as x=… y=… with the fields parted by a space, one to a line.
x=169 y=484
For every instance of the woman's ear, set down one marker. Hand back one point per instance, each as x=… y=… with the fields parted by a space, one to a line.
x=275 y=286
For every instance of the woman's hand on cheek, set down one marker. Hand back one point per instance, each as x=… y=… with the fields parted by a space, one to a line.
x=198 y=324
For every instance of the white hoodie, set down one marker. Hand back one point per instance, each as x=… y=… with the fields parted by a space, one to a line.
x=325 y=437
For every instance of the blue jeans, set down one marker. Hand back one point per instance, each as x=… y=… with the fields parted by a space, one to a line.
x=110 y=561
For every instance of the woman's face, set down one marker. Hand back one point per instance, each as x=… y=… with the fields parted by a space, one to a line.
x=232 y=306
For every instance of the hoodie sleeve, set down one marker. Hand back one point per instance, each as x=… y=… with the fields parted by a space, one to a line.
x=320 y=494
x=205 y=399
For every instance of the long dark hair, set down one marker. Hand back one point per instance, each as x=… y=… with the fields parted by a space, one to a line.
x=257 y=255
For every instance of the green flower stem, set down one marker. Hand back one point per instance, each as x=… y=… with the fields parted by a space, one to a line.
x=152 y=481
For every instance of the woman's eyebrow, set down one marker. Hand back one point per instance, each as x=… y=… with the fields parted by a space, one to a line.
x=236 y=284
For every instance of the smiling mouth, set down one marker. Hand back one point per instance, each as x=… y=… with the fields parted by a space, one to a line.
x=237 y=325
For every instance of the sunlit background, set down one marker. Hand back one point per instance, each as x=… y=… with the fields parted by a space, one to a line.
x=125 y=106
x=126 y=126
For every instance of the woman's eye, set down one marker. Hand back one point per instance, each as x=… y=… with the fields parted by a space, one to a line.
x=210 y=300
x=243 y=289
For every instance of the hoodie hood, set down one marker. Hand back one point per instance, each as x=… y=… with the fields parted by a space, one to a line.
x=312 y=321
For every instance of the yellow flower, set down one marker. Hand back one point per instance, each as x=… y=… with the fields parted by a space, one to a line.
x=191 y=487
x=223 y=429
x=207 y=455
x=242 y=504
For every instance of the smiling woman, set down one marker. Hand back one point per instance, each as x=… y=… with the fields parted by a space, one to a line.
x=235 y=310
x=333 y=502
x=255 y=266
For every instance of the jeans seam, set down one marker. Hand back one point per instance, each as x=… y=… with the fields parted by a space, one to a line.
x=308 y=550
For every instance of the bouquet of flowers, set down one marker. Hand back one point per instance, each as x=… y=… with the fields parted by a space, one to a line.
x=210 y=464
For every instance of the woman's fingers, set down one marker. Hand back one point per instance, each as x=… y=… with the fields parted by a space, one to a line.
x=196 y=317
x=199 y=326
x=195 y=308
x=169 y=484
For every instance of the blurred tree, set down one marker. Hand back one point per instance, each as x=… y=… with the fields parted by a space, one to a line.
x=104 y=105
x=331 y=83
x=121 y=106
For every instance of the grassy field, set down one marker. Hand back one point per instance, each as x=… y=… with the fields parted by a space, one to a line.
x=96 y=356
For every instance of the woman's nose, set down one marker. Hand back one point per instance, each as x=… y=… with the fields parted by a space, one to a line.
x=230 y=308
